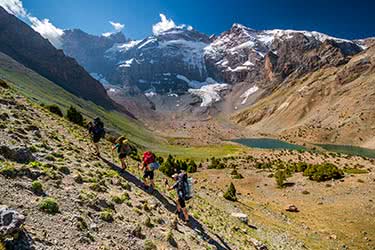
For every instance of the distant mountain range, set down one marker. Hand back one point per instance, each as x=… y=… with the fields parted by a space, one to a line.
x=182 y=60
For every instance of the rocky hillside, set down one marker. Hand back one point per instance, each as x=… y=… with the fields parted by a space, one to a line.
x=74 y=200
x=333 y=104
x=28 y=47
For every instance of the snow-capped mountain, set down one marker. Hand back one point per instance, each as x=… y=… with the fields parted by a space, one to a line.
x=156 y=62
x=184 y=61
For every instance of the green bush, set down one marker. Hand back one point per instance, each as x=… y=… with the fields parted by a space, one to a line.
x=37 y=187
x=49 y=205
x=169 y=166
x=192 y=167
x=8 y=171
x=280 y=177
x=230 y=194
x=323 y=172
x=149 y=245
x=120 y=199
x=55 y=109
x=74 y=116
x=4 y=84
x=106 y=215
x=216 y=164
x=236 y=175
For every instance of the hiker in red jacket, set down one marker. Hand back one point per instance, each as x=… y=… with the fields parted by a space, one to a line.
x=148 y=170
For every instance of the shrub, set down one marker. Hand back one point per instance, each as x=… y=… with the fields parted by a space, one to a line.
x=49 y=205
x=169 y=166
x=55 y=109
x=230 y=194
x=149 y=245
x=106 y=215
x=148 y=222
x=37 y=187
x=120 y=199
x=74 y=116
x=216 y=164
x=192 y=167
x=280 y=177
x=8 y=171
x=4 y=84
x=236 y=175
x=323 y=172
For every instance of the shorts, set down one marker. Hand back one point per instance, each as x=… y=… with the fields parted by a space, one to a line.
x=96 y=138
x=182 y=202
x=149 y=174
x=122 y=155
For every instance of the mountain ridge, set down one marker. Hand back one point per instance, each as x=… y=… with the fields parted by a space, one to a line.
x=25 y=45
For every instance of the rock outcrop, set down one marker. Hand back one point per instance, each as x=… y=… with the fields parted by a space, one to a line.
x=10 y=221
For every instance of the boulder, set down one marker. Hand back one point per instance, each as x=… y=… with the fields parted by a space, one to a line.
x=20 y=155
x=10 y=221
x=292 y=208
x=242 y=217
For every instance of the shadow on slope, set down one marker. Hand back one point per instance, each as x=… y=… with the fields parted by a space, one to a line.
x=171 y=207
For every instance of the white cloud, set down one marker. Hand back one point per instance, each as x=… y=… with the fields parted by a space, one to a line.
x=107 y=34
x=163 y=25
x=167 y=24
x=47 y=30
x=117 y=26
x=14 y=7
x=44 y=27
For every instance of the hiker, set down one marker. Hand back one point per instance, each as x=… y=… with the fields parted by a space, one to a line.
x=148 y=166
x=96 y=129
x=123 y=150
x=180 y=186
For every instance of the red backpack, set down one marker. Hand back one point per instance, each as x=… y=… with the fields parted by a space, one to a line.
x=148 y=157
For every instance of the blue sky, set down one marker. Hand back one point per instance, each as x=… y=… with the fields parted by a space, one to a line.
x=345 y=19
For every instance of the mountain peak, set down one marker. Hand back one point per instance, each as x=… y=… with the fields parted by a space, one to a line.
x=238 y=26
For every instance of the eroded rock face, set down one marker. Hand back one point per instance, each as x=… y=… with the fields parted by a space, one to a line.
x=20 y=155
x=10 y=221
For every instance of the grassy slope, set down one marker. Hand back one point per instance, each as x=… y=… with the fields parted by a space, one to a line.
x=41 y=90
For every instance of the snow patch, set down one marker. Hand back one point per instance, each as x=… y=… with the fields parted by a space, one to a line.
x=150 y=93
x=248 y=93
x=127 y=63
x=238 y=69
x=248 y=63
x=209 y=93
x=149 y=40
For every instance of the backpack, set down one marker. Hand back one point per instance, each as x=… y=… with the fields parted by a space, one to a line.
x=148 y=157
x=154 y=165
x=187 y=186
x=98 y=128
x=123 y=149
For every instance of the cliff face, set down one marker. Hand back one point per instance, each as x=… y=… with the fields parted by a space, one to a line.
x=89 y=50
x=22 y=43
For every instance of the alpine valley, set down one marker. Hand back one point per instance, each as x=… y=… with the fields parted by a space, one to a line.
x=271 y=133
x=281 y=83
